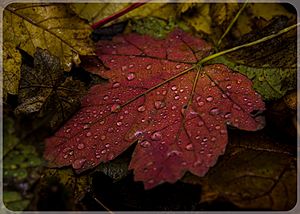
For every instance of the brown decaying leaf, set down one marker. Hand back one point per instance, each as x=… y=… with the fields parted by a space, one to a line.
x=45 y=91
x=255 y=173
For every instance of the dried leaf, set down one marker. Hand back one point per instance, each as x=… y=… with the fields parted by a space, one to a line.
x=179 y=125
x=45 y=92
x=255 y=173
x=47 y=26
x=291 y=100
x=75 y=186
x=11 y=69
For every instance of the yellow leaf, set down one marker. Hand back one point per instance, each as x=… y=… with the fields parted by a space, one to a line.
x=265 y=11
x=94 y=12
x=223 y=13
x=47 y=26
x=200 y=20
x=269 y=10
x=11 y=69
x=183 y=7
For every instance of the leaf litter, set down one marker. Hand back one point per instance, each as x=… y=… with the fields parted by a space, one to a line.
x=177 y=112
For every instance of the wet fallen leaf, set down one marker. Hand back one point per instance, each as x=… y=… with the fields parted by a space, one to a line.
x=11 y=69
x=179 y=125
x=47 y=26
x=255 y=173
x=44 y=91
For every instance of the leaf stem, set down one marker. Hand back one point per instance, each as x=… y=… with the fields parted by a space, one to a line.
x=119 y=14
x=266 y=38
x=232 y=23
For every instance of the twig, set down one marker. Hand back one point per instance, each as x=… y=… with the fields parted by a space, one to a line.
x=119 y=14
x=232 y=22
x=101 y=204
x=266 y=38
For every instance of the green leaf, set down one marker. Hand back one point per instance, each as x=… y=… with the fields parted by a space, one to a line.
x=9 y=138
x=21 y=166
x=20 y=162
x=152 y=26
x=14 y=201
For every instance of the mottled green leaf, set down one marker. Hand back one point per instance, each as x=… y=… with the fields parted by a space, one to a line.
x=152 y=26
x=14 y=201
x=270 y=82
x=9 y=138
x=19 y=162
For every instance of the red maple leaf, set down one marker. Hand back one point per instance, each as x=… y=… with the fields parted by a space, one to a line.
x=158 y=96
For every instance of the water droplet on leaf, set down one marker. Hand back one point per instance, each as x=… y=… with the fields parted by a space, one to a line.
x=189 y=147
x=141 y=108
x=130 y=76
x=209 y=99
x=145 y=144
x=156 y=136
x=159 y=104
x=116 y=85
x=214 y=111
x=78 y=163
x=115 y=108
x=80 y=146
